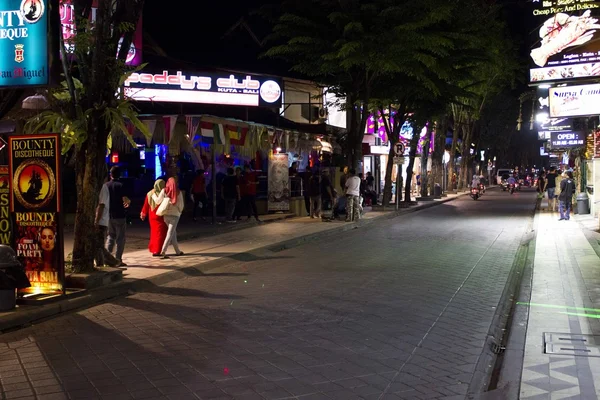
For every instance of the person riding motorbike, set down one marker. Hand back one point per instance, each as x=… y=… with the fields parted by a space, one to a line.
x=475 y=182
x=511 y=180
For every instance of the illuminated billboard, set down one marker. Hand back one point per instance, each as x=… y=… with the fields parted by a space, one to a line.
x=205 y=88
x=565 y=44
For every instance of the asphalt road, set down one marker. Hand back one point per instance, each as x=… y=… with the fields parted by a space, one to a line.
x=397 y=310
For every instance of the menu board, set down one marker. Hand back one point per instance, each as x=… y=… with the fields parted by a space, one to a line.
x=565 y=41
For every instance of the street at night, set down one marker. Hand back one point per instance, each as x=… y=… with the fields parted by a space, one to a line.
x=400 y=309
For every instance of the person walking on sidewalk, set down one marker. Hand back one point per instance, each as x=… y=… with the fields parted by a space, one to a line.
x=158 y=227
x=352 y=197
x=117 y=223
x=174 y=197
x=567 y=189
x=314 y=192
x=199 y=193
x=551 y=188
x=102 y=257
x=305 y=180
x=230 y=193
x=250 y=184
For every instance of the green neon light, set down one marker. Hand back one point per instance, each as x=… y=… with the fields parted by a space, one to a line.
x=595 y=310
x=597 y=316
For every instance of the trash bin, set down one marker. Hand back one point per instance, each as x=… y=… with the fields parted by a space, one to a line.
x=12 y=277
x=437 y=190
x=583 y=203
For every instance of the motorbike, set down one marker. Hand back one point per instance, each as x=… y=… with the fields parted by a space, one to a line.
x=504 y=186
x=475 y=194
x=511 y=188
x=481 y=188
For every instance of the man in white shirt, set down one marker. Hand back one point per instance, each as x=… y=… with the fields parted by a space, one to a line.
x=352 y=197
x=103 y=257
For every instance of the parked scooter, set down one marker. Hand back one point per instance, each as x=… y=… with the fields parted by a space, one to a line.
x=475 y=193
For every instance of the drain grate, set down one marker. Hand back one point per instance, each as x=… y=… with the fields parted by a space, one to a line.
x=572 y=345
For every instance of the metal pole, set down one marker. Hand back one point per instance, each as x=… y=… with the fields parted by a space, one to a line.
x=398 y=189
x=214 y=184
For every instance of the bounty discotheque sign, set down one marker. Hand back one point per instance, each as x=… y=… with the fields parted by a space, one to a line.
x=23 y=43
x=206 y=88
x=34 y=168
x=565 y=43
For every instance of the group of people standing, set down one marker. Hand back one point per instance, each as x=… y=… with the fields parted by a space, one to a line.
x=322 y=200
x=547 y=183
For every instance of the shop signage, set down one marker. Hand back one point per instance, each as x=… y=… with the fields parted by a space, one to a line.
x=567 y=140
x=23 y=43
x=574 y=101
x=5 y=224
x=547 y=125
x=67 y=20
x=279 y=183
x=210 y=88
x=35 y=204
x=565 y=42
x=380 y=150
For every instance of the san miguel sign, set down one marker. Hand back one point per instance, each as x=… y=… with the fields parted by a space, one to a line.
x=23 y=43
x=210 y=88
x=35 y=204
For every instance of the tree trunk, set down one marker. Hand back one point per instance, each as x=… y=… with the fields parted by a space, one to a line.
x=411 y=164
x=389 y=170
x=437 y=163
x=451 y=163
x=424 y=162
x=465 y=156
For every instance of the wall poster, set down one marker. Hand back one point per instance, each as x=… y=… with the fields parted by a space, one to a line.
x=34 y=167
x=279 y=183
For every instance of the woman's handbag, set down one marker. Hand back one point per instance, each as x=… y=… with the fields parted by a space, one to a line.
x=162 y=209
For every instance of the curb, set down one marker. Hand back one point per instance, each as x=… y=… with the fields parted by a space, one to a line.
x=489 y=377
x=37 y=314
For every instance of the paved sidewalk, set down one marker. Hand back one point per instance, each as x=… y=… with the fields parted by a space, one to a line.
x=562 y=350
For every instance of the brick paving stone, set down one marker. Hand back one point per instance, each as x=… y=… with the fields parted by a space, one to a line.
x=399 y=309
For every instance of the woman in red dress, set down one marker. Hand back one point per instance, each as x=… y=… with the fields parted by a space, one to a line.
x=158 y=228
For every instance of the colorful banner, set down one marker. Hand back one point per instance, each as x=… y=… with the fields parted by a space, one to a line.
x=23 y=43
x=279 y=183
x=5 y=223
x=564 y=42
x=35 y=203
x=67 y=20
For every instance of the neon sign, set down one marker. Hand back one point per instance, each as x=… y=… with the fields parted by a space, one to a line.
x=180 y=87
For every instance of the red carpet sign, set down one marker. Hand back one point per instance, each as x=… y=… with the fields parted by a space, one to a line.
x=5 y=237
x=35 y=205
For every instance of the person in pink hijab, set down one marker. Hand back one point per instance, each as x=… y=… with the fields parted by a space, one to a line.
x=171 y=215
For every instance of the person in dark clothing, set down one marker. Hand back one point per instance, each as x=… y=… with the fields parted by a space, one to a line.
x=199 y=193
x=250 y=184
x=541 y=182
x=305 y=179
x=551 y=188
x=239 y=206
x=327 y=196
x=567 y=189
x=117 y=223
x=314 y=191
x=230 y=193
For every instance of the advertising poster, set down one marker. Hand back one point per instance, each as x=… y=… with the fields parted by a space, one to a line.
x=23 y=43
x=574 y=101
x=67 y=20
x=34 y=168
x=564 y=43
x=5 y=223
x=279 y=183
